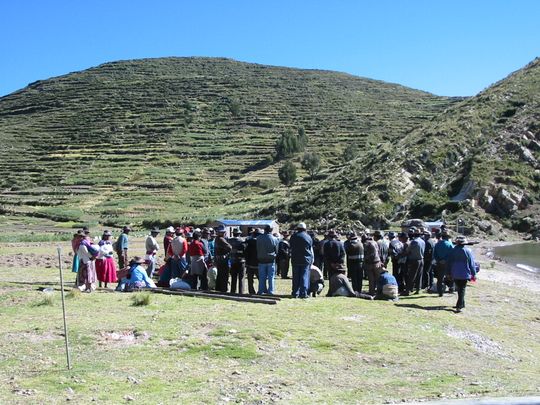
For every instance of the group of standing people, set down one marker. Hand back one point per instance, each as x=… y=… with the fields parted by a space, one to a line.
x=207 y=259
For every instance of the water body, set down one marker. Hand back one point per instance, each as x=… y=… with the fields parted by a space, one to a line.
x=526 y=256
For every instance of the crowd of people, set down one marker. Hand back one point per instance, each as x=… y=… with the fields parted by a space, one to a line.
x=206 y=259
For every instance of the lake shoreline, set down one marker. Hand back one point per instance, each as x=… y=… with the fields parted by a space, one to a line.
x=496 y=269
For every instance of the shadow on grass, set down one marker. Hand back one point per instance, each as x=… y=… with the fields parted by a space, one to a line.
x=426 y=308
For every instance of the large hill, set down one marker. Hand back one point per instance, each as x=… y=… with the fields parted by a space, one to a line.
x=188 y=139
x=478 y=162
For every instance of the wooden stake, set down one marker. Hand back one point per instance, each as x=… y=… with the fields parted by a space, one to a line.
x=64 y=307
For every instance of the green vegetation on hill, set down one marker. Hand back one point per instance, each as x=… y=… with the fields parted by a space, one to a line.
x=478 y=160
x=185 y=139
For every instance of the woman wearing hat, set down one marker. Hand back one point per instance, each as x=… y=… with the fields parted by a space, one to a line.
x=105 y=265
x=136 y=277
x=461 y=267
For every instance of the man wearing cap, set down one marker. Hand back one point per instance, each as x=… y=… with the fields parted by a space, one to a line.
x=284 y=255
x=372 y=262
x=415 y=261
x=441 y=251
x=267 y=246
x=151 y=245
x=461 y=267
x=252 y=262
x=222 y=252
x=355 y=258
x=301 y=258
x=238 y=261
x=122 y=245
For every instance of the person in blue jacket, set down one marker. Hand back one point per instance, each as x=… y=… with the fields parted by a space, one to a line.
x=461 y=267
x=136 y=277
x=387 y=286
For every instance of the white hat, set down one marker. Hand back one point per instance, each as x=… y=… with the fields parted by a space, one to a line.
x=301 y=225
x=170 y=229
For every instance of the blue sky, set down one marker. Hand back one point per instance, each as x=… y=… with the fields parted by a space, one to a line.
x=447 y=47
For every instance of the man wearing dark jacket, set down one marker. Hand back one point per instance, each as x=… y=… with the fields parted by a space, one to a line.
x=284 y=255
x=252 y=263
x=222 y=249
x=238 y=262
x=415 y=261
x=427 y=274
x=355 y=257
x=301 y=259
x=334 y=252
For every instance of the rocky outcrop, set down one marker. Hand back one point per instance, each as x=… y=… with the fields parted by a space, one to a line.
x=500 y=201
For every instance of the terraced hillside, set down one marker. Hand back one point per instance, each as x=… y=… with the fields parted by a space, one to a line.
x=184 y=139
x=477 y=161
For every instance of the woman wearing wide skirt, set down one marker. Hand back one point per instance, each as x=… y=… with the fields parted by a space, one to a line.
x=105 y=264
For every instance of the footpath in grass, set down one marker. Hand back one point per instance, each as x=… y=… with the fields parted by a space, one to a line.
x=327 y=350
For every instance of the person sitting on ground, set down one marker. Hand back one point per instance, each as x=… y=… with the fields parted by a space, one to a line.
x=316 y=281
x=136 y=277
x=387 y=286
x=340 y=285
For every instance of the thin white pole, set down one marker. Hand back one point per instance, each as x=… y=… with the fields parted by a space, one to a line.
x=64 y=307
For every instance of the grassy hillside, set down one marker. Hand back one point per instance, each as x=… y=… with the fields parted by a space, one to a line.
x=182 y=138
x=478 y=160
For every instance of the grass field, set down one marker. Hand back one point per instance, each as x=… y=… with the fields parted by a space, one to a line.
x=323 y=350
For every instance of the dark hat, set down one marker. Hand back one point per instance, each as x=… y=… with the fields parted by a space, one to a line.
x=137 y=260
x=205 y=231
x=179 y=230
x=402 y=235
x=332 y=233
x=391 y=235
x=220 y=229
x=236 y=231
x=86 y=230
x=196 y=235
x=126 y=229
x=461 y=240
x=155 y=229
x=268 y=228
x=378 y=233
x=79 y=233
x=352 y=235
x=107 y=233
x=340 y=267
